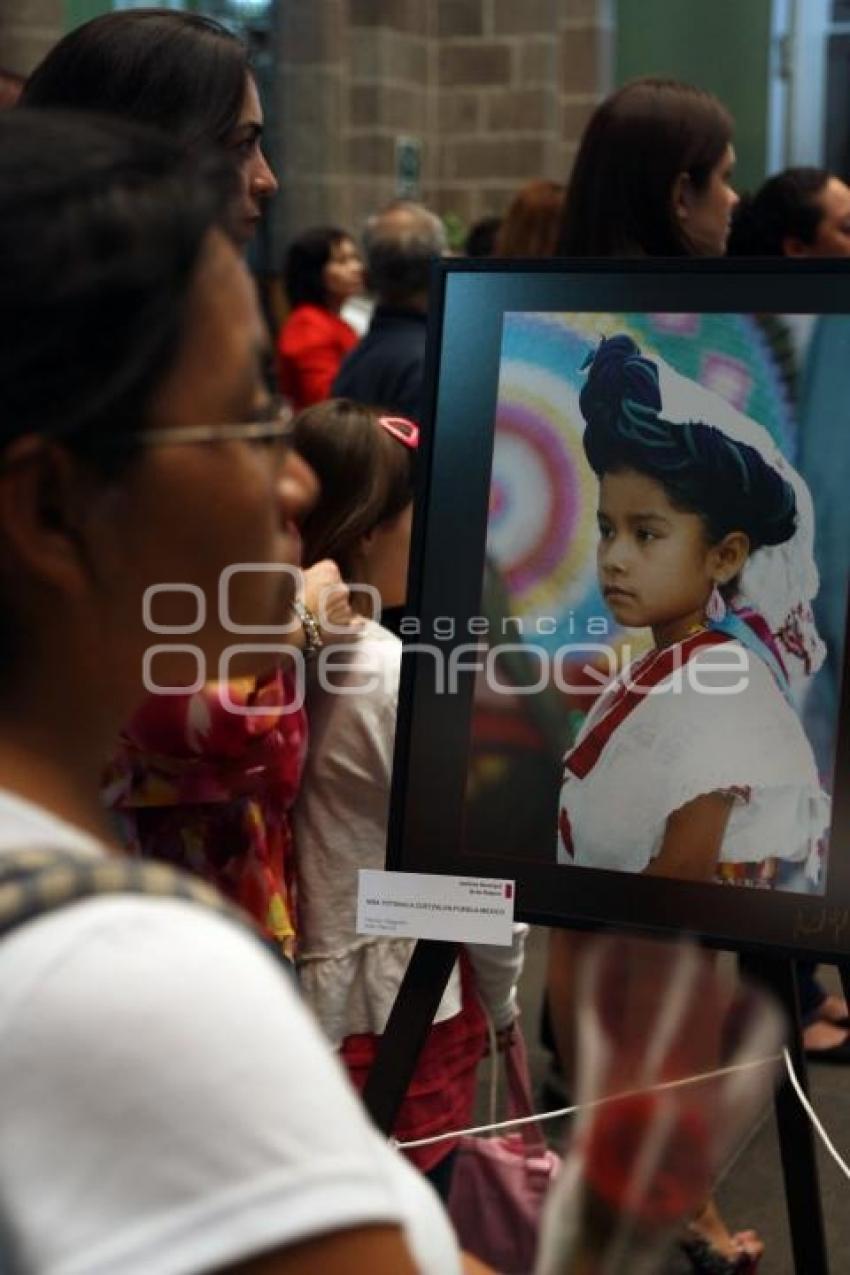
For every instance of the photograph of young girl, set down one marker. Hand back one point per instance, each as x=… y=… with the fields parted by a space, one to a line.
x=692 y=762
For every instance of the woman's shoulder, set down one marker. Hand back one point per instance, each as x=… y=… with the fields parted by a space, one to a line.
x=373 y=644
x=288 y=1140
x=374 y=631
x=726 y=708
x=364 y=670
x=308 y=322
x=720 y=698
x=734 y=676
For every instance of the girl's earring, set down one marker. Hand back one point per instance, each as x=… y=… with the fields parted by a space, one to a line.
x=716 y=608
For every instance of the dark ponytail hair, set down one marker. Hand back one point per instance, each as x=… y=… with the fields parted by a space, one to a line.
x=702 y=470
x=784 y=207
x=365 y=474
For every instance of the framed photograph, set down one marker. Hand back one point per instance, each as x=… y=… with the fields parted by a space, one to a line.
x=628 y=596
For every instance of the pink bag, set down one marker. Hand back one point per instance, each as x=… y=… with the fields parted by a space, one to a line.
x=499 y=1183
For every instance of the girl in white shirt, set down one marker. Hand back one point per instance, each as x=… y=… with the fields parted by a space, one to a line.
x=693 y=763
x=364 y=462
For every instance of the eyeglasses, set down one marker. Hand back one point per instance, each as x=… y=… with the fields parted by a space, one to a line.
x=273 y=426
x=401 y=428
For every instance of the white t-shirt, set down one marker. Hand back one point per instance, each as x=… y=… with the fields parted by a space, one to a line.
x=340 y=825
x=168 y=1104
x=684 y=740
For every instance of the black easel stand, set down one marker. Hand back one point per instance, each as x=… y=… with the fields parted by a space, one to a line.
x=412 y=1014
x=796 y=1136
x=416 y=1005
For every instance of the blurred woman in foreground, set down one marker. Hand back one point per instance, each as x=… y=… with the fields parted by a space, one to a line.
x=153 y=1039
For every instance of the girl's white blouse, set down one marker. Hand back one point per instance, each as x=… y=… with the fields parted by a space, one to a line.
x=681 y=742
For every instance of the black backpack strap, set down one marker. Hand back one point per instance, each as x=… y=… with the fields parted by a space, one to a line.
x=35 y=882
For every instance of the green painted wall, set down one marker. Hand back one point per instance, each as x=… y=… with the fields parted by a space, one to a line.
x=720 y=45
x=79 y=11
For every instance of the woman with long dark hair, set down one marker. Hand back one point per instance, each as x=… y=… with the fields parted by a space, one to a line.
x=652 y=175
x=181 y=72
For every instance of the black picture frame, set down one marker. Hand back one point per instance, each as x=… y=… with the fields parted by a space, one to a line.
x=468 y=303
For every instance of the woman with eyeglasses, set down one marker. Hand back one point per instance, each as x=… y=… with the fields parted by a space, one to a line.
x=365 y=463
x=167 y=1105
x=205 y=779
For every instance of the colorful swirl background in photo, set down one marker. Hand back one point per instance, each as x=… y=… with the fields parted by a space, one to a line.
x=542 y=529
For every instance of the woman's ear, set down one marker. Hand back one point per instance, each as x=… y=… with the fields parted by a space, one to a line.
x=361 y=555
x=681 y=197
x=729 y=556
x=44 y=508
x=794 y=247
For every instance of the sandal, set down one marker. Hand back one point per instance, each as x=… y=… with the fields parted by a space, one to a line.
x=705 y=1259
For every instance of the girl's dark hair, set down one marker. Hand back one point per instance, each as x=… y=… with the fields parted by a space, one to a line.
x=177 y=71
x=101 y=228
x=306 y=258
x=366 y=478
x=784 y=207
x=620 y=192
x=530 y=226
x=702 y=470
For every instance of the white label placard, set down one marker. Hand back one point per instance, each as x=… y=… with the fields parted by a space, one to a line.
x=425 y=905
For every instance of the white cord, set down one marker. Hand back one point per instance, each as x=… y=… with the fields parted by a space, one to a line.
x=670 y=1084
x=587 y=1106
x=810 y=1112
x=486 y=1128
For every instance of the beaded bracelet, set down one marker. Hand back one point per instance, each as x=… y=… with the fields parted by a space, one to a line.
x=310 y=625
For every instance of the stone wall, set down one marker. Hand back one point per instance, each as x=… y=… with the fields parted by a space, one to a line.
x=496 y=92
x=28 y=28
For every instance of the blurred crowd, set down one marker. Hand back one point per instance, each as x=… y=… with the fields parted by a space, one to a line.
x=189 y=1144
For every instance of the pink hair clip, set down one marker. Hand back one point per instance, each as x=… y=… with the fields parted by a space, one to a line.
x=407 y=432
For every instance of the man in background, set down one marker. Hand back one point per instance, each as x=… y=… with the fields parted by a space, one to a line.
x=385 y=370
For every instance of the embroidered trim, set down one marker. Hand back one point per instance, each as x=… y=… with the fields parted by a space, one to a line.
x=585 y=756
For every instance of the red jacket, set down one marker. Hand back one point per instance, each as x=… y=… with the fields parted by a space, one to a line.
x=310 y=347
